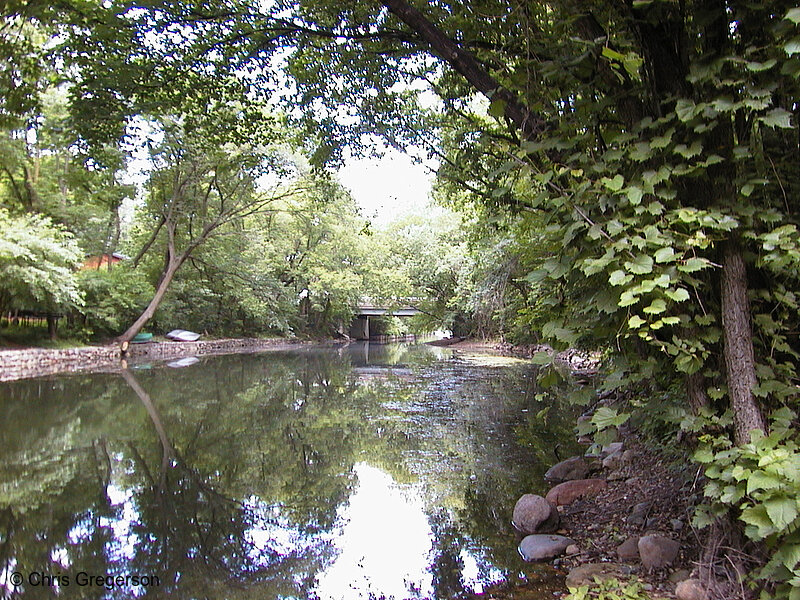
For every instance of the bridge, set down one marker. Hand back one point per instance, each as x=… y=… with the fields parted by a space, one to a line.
x=365 y=309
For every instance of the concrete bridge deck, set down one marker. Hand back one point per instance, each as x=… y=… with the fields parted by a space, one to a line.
x=371 y=310
x=360 y=327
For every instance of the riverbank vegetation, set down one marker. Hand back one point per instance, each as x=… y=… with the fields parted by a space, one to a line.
x=625 y=173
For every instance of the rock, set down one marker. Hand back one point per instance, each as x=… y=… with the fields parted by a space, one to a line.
x=639 y=514
x=652 y=523
x=613 y=461
x=572 y=549
x=629 y=549
x=569 y=491
x=539 y=547
x=567 y=470
x=676 y=524
x=534 y=514
x=691 y=589
x=584 y=574
x=657 y=551
x=628 y=456
x=612 y=448
x=679 y=575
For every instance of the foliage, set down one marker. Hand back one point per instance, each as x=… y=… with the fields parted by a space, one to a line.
x=759 y=482
x=609 y=589
x=37 y=260
x=112 y=299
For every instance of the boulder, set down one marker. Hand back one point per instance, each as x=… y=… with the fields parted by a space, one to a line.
x=629 y=549
x=534 y=514
x=567 y=470
x=657 y=551
x=691 y=589
x=583 y=574
x=569 y=491
x=539 y=547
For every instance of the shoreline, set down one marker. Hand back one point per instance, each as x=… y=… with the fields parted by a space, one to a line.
x=28 y=363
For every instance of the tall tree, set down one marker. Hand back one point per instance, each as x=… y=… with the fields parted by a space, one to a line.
x=202 y=185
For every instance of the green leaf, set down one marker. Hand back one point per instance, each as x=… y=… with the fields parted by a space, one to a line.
x=757 y=517
x=656 y=307
x=627 y=299
x=619 y=277
x=634 y=194
x=640 y=265
x=732 y=494
x=692 y=265
x=636 y=321
x=685 y=109
x=542 y=358
x=782 y=510
x=665 y=255
x=793 y=15
x=614 y=184
x=689 y=151
x=757 y=67
x=497 y=108
x=612 y=54
x=792 y=47
x=678 y=295
x=605 y=417
x=759 y=480
x=704 y=455
x=664 y=140
x=778 y=117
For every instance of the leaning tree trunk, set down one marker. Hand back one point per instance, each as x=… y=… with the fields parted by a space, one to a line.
x=738 y=339
x=172 y=267
x=528 y=121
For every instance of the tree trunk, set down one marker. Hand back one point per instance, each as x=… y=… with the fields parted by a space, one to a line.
x=696 y=391
x=163 y=285
x=149 y=242
x=738 y=338
x=52 y=326
x=166 y=447
x=529 y=122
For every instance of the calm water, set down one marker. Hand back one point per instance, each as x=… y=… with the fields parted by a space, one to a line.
x=367 y=472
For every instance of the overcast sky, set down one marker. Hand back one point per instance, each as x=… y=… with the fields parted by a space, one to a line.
x=387 y=187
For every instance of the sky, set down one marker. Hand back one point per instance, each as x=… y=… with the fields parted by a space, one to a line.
x=387 y=187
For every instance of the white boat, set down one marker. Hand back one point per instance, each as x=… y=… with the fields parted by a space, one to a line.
x=184 y=362
x=181 y=335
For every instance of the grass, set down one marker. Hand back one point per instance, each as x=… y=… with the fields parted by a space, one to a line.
x=33 y=336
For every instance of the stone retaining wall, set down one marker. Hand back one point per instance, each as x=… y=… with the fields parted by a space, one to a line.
x=21 y=364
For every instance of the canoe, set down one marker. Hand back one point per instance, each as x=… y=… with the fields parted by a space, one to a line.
x=181 y=335
x=142 y=338
x=184 y=362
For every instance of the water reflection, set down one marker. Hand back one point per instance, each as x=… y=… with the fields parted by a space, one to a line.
x=366 y=472
x=384 y=541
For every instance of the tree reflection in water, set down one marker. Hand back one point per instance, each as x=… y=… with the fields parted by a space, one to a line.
x=240 y=476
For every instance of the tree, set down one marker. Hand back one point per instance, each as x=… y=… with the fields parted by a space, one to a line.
x=202 y=185
x=37 y=264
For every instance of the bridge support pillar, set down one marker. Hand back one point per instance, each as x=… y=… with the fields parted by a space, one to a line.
x=360 y=328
